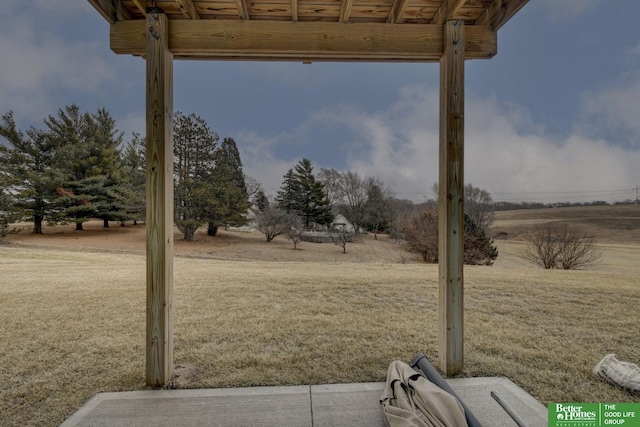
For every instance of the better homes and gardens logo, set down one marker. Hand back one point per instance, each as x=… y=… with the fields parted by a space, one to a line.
x=594 y=414
x=576 y=414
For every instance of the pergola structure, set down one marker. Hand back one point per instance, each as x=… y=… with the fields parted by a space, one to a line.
x=444 y=31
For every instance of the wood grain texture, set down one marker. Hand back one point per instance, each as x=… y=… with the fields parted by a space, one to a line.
x=316 y=41
x=111 y=11
x=451 y=208
x=159 y=111
x=142 y=6
x=345 y=10
x=496 y=15
x=243 y=10
x=188 y=9
x=397 y=11
x=447 y=10
x=493 y=13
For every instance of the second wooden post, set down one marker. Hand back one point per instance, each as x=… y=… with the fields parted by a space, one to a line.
x=451 y=209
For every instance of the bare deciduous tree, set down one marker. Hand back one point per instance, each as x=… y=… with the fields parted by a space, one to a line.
x=562 y=246
x=354 y=190
x=420 y=231
x=272 y=222
x=378 y=206
x=295 y=230
x=253 y=187
x=331 y=180
x=341 y=238
x=478 y=204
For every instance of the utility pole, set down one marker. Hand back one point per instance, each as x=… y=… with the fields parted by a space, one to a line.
x=637 y=194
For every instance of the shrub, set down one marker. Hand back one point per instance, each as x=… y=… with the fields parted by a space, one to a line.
x=478 y=248
x=420 y=231
x=562 y=246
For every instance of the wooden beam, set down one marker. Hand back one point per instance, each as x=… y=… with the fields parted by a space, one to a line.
x=397 y=10
x=314 y=41
x=447 y=10
x=142 y=6
x=496 y=15
x=243 y=10
x=294 y=10
x=110 y=10
x=451 y=205
x=159 y=112
x=345 y=10
x=188 y=9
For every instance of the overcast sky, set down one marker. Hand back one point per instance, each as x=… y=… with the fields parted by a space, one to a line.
x=555 y=116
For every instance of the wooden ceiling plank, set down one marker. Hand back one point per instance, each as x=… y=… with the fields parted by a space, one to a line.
x=397 y=11
x=188 y=9
x=110 y=10
x=345 y=10
x=496 y=15
x=294 y=10
x=142 y=6
x=243 y=10
x=448 y=9
x=314 y=41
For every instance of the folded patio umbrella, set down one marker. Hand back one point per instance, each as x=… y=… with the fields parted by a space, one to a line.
x=411 y=400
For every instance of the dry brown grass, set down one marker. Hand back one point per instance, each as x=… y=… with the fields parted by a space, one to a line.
x=608 y=224
x=73 y=318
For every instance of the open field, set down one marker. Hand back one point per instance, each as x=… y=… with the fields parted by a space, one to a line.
x=249 y=312
x=608 y=224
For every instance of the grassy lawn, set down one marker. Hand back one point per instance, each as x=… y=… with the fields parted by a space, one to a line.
x=73 y=322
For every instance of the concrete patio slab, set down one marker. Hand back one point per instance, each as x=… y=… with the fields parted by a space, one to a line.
x=347 y=405
x=476 y=394
x=314 y=406
x=252 y=406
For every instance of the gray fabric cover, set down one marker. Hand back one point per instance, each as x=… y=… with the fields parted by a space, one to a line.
x=623 y=374
x=411 y=400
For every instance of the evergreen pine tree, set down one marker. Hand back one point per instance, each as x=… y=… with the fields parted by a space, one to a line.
x=194 y=148
x=8 y=213
x=134 y=177
x=27 y=167
x=89 y=159
x=230 y=191
x=110 y=197
x=313 y=202
x=478 y=248
x=305 y=196
x=261 y=201
x=286 y=196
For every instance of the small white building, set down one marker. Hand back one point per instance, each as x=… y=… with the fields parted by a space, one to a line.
x=341 y=223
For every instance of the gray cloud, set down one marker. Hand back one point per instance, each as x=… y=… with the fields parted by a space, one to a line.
x=505 y=152
x=615 y=109
x=38 y=65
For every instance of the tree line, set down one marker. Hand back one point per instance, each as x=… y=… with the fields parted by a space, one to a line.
x=305 y=201
x=78 y=167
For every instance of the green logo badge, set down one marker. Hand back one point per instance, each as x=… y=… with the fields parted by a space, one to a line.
x=594 y=414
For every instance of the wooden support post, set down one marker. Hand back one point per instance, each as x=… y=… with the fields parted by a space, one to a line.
x=159 y=200
x=451 y=213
